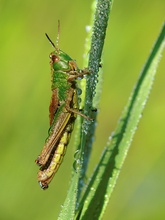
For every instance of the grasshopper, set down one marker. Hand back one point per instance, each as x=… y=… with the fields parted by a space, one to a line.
x=63 y=110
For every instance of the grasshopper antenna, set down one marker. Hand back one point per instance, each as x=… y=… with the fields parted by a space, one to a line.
x=58 y=38
x=58 y=35
x=51 y=41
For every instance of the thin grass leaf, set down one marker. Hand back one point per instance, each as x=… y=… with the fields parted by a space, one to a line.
x=68 y=209
x=101 y=11
x=101 y=17
x=102 y=183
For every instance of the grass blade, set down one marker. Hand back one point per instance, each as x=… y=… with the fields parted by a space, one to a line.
x=85 y=128
x=102 y=183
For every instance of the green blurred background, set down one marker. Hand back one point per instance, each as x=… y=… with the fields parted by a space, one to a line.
x=25 y=96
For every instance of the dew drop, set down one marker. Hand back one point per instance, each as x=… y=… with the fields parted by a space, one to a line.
x=79 y=91
x=88 y=28
x=77 y=162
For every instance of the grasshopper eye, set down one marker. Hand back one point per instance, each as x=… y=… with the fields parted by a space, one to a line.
x=54 y=58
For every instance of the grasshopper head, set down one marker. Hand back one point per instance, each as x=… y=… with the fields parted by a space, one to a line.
x=60 y=61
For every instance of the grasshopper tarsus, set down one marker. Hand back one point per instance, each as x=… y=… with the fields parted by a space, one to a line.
x=94 y=109
x=37 y=161
x=100 y=65
x=43 y=186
